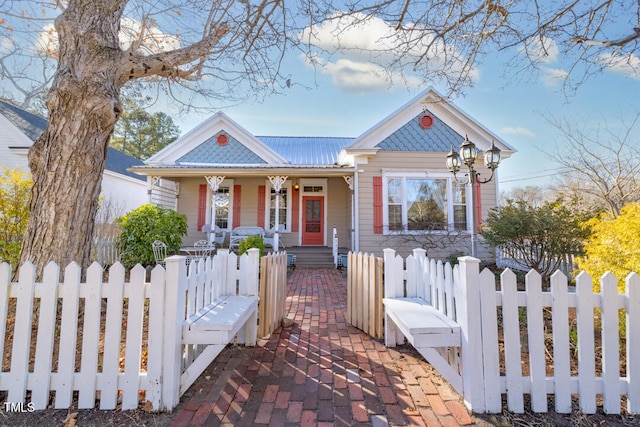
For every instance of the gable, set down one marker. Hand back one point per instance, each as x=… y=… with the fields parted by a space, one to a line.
x=210 y=151
x=413 y=137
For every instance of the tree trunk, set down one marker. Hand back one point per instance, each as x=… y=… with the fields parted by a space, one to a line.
x=67 y=160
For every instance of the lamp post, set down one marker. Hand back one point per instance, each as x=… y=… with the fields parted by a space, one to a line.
x=467 y=155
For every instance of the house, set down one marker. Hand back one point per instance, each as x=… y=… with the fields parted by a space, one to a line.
x=384 y=188
x=122 y=190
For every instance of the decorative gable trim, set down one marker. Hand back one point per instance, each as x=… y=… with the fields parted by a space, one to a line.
x=207 y=129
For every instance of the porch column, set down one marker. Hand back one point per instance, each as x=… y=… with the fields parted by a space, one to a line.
x=349 y=180
x=277 y=182
x=214 y=182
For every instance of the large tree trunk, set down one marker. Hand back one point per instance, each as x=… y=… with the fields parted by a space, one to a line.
x=67 y=160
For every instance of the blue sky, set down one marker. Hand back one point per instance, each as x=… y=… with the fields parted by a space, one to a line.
x=514 y=109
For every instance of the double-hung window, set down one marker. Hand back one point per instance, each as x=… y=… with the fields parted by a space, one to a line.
x=284 y=208
x=415 y=203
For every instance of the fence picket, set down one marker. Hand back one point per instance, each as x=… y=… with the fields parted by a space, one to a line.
x=5 y=282
x=68 y=336
x=561 y=348
x=113 y=290
x=22 y=333
x=90 y=338
x=44 y=342
x=512 y=349
x=490 y=353
x=610 y=344
x=535 y=333
x=586 y=353
x=135 y=312
x=155 y=337
x=633 y=343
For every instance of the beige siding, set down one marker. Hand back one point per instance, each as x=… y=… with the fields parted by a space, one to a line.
x=339 y=212
x=409 y=162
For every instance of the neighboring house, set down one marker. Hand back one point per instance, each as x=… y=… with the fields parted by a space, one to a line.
x=377 y=190
x=122 y=190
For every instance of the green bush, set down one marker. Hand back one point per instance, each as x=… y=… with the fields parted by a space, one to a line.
x=15 y=194
x=144 y=225
x=251 y=242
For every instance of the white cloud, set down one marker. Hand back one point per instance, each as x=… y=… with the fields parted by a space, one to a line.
x=153 y=40
x=553 y=76
x=370 y=53
x=627 y=65
x=542 y=49
x=518 y=131
x=6 y=43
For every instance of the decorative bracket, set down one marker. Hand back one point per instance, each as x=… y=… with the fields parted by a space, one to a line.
x=214 y=182
x=277 y=182
x=349 y=180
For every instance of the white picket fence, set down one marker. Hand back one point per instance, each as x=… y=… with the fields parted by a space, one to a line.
x=492 y=354
x=90 y=353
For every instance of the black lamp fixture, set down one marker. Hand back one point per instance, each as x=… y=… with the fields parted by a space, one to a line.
x=468 y=155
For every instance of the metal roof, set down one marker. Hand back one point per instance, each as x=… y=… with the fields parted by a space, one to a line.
x=307 y=150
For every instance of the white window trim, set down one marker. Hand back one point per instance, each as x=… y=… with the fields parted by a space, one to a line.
x=224 y=183
x=386 y=175
x=267 y=204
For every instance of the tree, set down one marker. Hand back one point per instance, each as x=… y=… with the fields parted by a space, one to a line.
x=603 y=164
x=226 y=50
x=140 y=134
x=15 y=187
x=613 y=246
x=538 y=235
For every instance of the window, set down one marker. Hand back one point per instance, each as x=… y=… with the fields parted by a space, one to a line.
x=222 y=203
x=284 y=205
x=416 y=203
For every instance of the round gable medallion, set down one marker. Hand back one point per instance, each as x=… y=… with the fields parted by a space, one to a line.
x=426 y=121
x=222 y=139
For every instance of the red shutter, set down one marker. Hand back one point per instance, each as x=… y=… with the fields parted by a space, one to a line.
x=478 y=206
x=236 y=206
x=295 y=210
x=202 y=206
x=377 y=205
x=261 y=205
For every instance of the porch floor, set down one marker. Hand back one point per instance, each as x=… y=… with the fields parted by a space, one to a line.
x=320 y=371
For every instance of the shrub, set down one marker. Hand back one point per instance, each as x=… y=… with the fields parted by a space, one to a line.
x=144 y=225
x=251 y=242
x=15 y=194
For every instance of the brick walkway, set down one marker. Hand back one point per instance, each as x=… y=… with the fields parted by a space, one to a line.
x=321 y=371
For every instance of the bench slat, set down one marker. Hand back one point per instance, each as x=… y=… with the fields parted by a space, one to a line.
x=419 y=317
x=219 y=321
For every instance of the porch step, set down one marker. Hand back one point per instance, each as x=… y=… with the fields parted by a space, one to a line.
x=312 y=256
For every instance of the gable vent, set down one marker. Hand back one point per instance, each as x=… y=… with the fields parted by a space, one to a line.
x=426 y=121
x=222 y=139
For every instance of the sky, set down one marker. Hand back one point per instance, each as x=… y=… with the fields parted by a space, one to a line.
x=518 y=109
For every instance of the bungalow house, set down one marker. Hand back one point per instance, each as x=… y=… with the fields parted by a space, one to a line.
x=385 y=188
x=122 y=189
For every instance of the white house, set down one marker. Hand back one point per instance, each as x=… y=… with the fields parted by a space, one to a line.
x=122 y=190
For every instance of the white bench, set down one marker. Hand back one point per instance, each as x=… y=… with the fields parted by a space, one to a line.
x=239 y=234
x=220 y=321
x=428 y=330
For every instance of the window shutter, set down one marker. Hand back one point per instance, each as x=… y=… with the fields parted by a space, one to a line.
x=202 y=206
x=295 y=210
x=236 y=205
x=261 y=205
x=478 y=206
x=377 y=205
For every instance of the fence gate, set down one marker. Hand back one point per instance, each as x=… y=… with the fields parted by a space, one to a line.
x=364 y=293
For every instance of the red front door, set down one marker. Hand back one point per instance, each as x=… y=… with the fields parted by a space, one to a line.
x=312 y=220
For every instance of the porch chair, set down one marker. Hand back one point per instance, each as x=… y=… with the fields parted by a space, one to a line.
x=159 y=252
x=203 y=247
x=269 y=240
x=219 y=235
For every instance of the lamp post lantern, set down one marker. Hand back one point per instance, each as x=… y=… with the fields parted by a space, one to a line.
x=467 y=155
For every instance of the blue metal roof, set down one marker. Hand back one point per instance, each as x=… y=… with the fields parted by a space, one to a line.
x=301 y=150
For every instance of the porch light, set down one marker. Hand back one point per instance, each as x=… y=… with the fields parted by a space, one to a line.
x=468 y=154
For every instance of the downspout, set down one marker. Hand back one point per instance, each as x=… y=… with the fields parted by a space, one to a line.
x=356 y=207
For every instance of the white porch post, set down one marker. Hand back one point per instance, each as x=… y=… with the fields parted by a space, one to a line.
x=277 y=182
x=349 y=180
x=214 y=182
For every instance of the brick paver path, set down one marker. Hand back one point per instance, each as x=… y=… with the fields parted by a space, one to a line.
x=321 y=372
